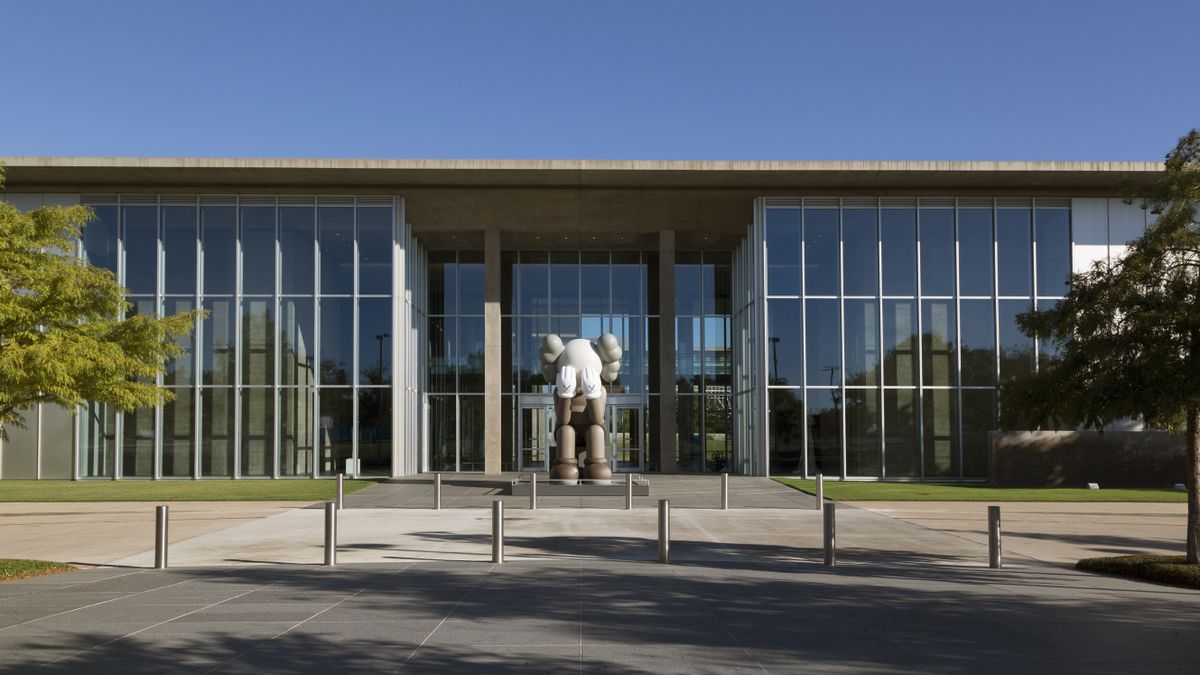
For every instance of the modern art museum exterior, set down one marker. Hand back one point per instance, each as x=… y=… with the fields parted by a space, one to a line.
x=383 y=318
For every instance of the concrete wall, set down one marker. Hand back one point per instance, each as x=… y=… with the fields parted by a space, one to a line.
x=1075 y=458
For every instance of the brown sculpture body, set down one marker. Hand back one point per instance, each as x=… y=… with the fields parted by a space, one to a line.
x=577 y=370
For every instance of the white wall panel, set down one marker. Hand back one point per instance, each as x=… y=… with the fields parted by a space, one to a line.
x=1126 y=222
x=1089 y=232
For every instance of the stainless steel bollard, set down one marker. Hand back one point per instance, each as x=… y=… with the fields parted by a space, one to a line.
x=628 y=492
x=437 y=491
x=160 y=538
x=725 y=491
x=994 y=557
x=664 y=531
x=340 y=493
x=830 y=534
x=533 y=492
x=820 y=491
x=497 y=531
x=330 y=533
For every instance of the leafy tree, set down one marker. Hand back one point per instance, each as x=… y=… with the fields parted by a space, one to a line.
x=1129 y=332
x=61 y=338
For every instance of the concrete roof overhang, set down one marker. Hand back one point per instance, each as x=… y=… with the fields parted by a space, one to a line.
x=88 y=174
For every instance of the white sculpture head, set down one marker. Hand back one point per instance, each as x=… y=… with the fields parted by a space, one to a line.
x=602 y=355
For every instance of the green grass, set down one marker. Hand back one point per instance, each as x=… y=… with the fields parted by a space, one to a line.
x=173 y=490
x=1165 y=569
x=859 y=491
x=13 y=569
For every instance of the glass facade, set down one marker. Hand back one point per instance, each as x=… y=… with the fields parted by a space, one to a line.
x=290 y=372
x=703 y=361
x=455 y=306
x=890 y=323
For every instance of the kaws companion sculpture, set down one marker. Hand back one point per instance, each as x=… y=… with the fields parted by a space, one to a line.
x=576 y=370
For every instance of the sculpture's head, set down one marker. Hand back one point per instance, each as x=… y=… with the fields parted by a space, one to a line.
x=602 y=355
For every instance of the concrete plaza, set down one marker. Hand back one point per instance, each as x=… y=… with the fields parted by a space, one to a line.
x=415 y=591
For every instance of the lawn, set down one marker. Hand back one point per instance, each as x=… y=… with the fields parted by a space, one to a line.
x=13 y=569
x=860 y=491
x=1165 y=569
x=174 y=490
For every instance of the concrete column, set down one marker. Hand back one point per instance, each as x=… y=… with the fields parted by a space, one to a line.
x=666 y=351
x=492 y=353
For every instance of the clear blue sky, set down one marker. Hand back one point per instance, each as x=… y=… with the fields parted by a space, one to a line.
x=603 y=79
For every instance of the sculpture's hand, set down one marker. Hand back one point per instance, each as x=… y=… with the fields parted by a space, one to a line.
x=566 y=382
x=591 y=384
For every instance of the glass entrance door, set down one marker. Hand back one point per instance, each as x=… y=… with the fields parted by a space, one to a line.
x=536 y=431
x=625 y=438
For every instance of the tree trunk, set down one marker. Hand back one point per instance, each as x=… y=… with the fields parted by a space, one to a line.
x=1193 y=482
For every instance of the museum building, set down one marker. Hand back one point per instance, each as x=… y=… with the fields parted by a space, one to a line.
x=383 y=318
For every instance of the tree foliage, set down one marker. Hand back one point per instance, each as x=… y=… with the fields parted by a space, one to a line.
x=62 y=338
x=1128 y=332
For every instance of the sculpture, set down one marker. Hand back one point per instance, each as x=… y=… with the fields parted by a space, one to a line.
x=577 y=370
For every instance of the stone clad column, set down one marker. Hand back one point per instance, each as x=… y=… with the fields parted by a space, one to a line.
x=666 y=351
x=492 y=353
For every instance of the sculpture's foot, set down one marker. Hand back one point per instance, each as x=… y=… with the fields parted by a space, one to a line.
x=599 y=469
x=565 y=469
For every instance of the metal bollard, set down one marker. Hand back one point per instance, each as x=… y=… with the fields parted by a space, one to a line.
x=330 y=534
x=497 y=531
x=664 y=531
x=830 y=534
x=340 y=493
x=820 y=491
x=160 y=538
x=437 y=491
x=994 y=558
x=628 y=492
x=533 y=492
x=725 y=491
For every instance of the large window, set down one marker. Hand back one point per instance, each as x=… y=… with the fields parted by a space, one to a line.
x=703 y=360
x=456 y=352
x=891 y=323
x=289 y=373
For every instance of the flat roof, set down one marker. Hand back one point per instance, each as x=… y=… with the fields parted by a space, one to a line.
x=116 y=173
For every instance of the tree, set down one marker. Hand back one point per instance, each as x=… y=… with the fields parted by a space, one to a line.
x=1128 y=332
x=61 y=336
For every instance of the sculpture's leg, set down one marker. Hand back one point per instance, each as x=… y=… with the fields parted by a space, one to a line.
x=597 y=459
x=566 y=466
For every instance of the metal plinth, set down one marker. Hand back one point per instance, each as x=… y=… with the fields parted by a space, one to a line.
x=581 y=488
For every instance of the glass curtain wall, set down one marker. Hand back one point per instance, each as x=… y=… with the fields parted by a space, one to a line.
x=456 y=351
x=749 y=411
x=289 y=374
x=891 y=323
x=703 y=360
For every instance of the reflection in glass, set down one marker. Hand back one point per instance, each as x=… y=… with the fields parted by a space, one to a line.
x=941 y=432
x=337 y=340
x=100 y=239
x=534 y=286
x=860 y=249
x=258 y=432
x=179 y=434
x=216 y=431
x=137 y=447
x=978 y=342
x=975 y=251
x=335 y=226
x=821 y=253
x=1016 y=348
x=784 y=340
x=258 y=341
x=903 y=456
x=375 y=341
x=689 y=287
x=297 y=237
x=627 y=285
x=978 y=418
x=718 y=282
x=824 y=431
x=470 y=433
x=564 y=283
x=218 y=236
x=297 y=342
x=375 y=431
x=296 y=424
x=375 y=250
x=937 y=252
x=900 y=341
x=862 y=432
x=97 y=440
x=718 y=434
x=718 y=358
x=443 y=433
x=898 y=231
x=471 y=282
x=258 y=250
x=470 y=354
x=217 y=353
x=441 y=354
x=179 y=249
x=593 y=282
x=336 y=429
x=1014 y=250
x=1053 y=251
x=1048 y=349
x=443 y=282
x=862 y=343
x=824 y=342
x=688 y=355
x=179 y=369
x=783 y=251
x=937 y=344
x=141 y=248
x=688 y=420
x=786 y=420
